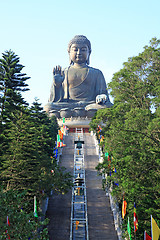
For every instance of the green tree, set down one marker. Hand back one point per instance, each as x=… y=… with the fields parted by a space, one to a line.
x=132 y=135
x=47 y=128
x=27 y=162
x=21 y=166
x=23 y=225
x=12 y=83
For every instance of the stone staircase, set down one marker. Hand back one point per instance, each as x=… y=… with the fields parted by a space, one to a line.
x=100 y=218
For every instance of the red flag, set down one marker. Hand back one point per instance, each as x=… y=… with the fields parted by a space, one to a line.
x=109 y=162
x=99 y=129
x=146 y=236
x=124 y=207
x=60 y=134
x=135 y=219
x=8 y=224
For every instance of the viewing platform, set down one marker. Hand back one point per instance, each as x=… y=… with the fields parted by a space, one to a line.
x=75 y=122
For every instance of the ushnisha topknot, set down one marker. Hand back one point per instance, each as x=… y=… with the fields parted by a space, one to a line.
x=80 y=39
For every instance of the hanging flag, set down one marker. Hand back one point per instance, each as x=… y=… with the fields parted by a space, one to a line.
x=154 y=229
x=129 y=230
x=63 y=119
x=146 y=236
x=99 y=129
x=8 y=224
x=117 y=184
x=35 y=207
x=135 y=219
x=106 y=154
x=56 y=152
x=109 y=162
x=60 y=135
x=101 y=138
x=58 y=138
x=124 y=207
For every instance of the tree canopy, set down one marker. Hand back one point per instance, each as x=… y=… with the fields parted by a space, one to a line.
x=27 y=141
x=131 y=131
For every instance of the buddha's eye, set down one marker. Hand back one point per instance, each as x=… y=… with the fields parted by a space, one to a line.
x=75 y=49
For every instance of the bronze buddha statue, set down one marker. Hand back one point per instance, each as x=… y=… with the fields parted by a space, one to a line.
x=78 y=86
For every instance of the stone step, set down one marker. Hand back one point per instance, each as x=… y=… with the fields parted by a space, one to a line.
x=59 y=207
x=100 y=217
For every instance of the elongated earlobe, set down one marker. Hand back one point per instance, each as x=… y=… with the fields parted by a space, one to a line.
x=88 y=60
x=70 y=62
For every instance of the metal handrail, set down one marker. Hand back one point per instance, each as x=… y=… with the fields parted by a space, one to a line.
x=79 y=217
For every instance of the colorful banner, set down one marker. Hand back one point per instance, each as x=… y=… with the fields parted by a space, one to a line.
x=124 y=207
x=154 y=229
x=135 y=219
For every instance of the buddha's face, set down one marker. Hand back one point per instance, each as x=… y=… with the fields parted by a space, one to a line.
x=79 y=53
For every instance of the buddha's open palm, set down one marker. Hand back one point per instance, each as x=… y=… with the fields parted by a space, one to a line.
x=58 y=75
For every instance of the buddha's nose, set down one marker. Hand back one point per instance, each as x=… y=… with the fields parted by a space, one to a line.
x=79 y=51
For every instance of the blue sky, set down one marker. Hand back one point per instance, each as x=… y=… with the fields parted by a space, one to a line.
x=39 y=31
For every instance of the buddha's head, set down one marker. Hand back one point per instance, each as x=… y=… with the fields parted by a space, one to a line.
x=82 y=44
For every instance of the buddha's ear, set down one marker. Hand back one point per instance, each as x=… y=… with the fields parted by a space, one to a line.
x=87 y=61
x=70 y=61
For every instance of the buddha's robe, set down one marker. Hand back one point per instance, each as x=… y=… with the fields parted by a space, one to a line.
x=92 y=85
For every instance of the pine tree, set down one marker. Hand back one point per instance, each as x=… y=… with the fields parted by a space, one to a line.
x=28 y=161
x=21 y=163
x=12 y=83
x=47 y=128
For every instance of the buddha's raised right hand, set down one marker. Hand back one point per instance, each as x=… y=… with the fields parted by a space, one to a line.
x=58 y=76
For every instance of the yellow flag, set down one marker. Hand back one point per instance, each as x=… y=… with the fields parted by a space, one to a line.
x=124 y=207
x=155 y=230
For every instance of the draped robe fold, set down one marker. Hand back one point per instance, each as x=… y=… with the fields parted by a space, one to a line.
x=93 y=85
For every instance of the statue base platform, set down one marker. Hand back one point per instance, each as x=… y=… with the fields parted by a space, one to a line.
x=74 y=122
